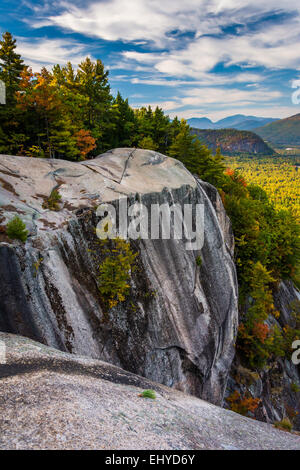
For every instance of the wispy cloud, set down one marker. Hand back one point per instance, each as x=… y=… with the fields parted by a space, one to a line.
x=156 y=21
x=39 y=52
x=275 y=48
x=194 y=98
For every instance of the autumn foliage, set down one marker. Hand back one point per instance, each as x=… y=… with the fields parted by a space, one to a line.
x=85 y=142
x=242 y=405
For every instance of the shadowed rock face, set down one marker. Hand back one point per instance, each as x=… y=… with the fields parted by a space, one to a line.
x=178 y=325
x=63 y=401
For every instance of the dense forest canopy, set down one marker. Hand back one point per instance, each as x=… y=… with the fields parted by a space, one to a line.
x=71 y=114
x=279 y=177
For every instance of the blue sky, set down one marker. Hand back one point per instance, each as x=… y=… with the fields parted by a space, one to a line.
x=193 y=58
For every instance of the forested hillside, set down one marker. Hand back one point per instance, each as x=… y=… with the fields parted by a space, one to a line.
x=285 y=132
x=233 y=142
x=279 y=177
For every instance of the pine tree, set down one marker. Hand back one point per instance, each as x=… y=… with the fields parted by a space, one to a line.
x=42 y=100
x=125 y=123
x=147 y=143
x=11 y=66
x=161 y=130
x=196 y=157
x=98 y=116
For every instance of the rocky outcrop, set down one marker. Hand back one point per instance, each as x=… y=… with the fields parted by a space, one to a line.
x=63 y=401
x=178 y=325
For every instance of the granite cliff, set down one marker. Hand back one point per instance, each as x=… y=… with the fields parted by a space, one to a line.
x=179 y=323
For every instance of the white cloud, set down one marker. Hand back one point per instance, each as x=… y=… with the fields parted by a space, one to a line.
x=201 y=55
x=174 y=59
x=48 y=52
x=195 y=99
x=225 y=96
x=134 y=21
x=204 y=79
x=274 y=46
x=152 y=20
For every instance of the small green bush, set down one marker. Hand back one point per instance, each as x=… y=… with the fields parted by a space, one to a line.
x=115 y=270
x=16 y=229
x=198 y=261
x=52 y=203
x=295 y=388
x=148 y=394
x=284 y=424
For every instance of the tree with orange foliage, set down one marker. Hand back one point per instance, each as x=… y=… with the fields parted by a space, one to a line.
x=260 y=331
x=36 y=93
x=242 y=405
x=236 y=177
x=85 y=142
x=42 y=101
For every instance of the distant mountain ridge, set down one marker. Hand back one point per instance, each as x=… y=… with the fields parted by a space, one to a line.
x=237 y=121
x=282 y=132
x=233 y=141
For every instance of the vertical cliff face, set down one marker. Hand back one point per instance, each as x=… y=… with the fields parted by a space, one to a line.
x=178 y=324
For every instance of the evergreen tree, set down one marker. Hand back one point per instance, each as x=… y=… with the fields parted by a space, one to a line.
x=125 y=123
x=98 y=113
x=161 y=130
x=11 y=66
x=147 y=143
x=196 y=157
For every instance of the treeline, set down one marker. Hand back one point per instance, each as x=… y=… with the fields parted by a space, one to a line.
x=71 y=114
x=285 y=132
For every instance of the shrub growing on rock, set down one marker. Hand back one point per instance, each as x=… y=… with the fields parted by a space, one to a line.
x=115 y=270
x=148 y=394
x=199 y=261
x=295 y=388
x=52 y=203
x=242 y=405
x=284 y=424
x=16 y=229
